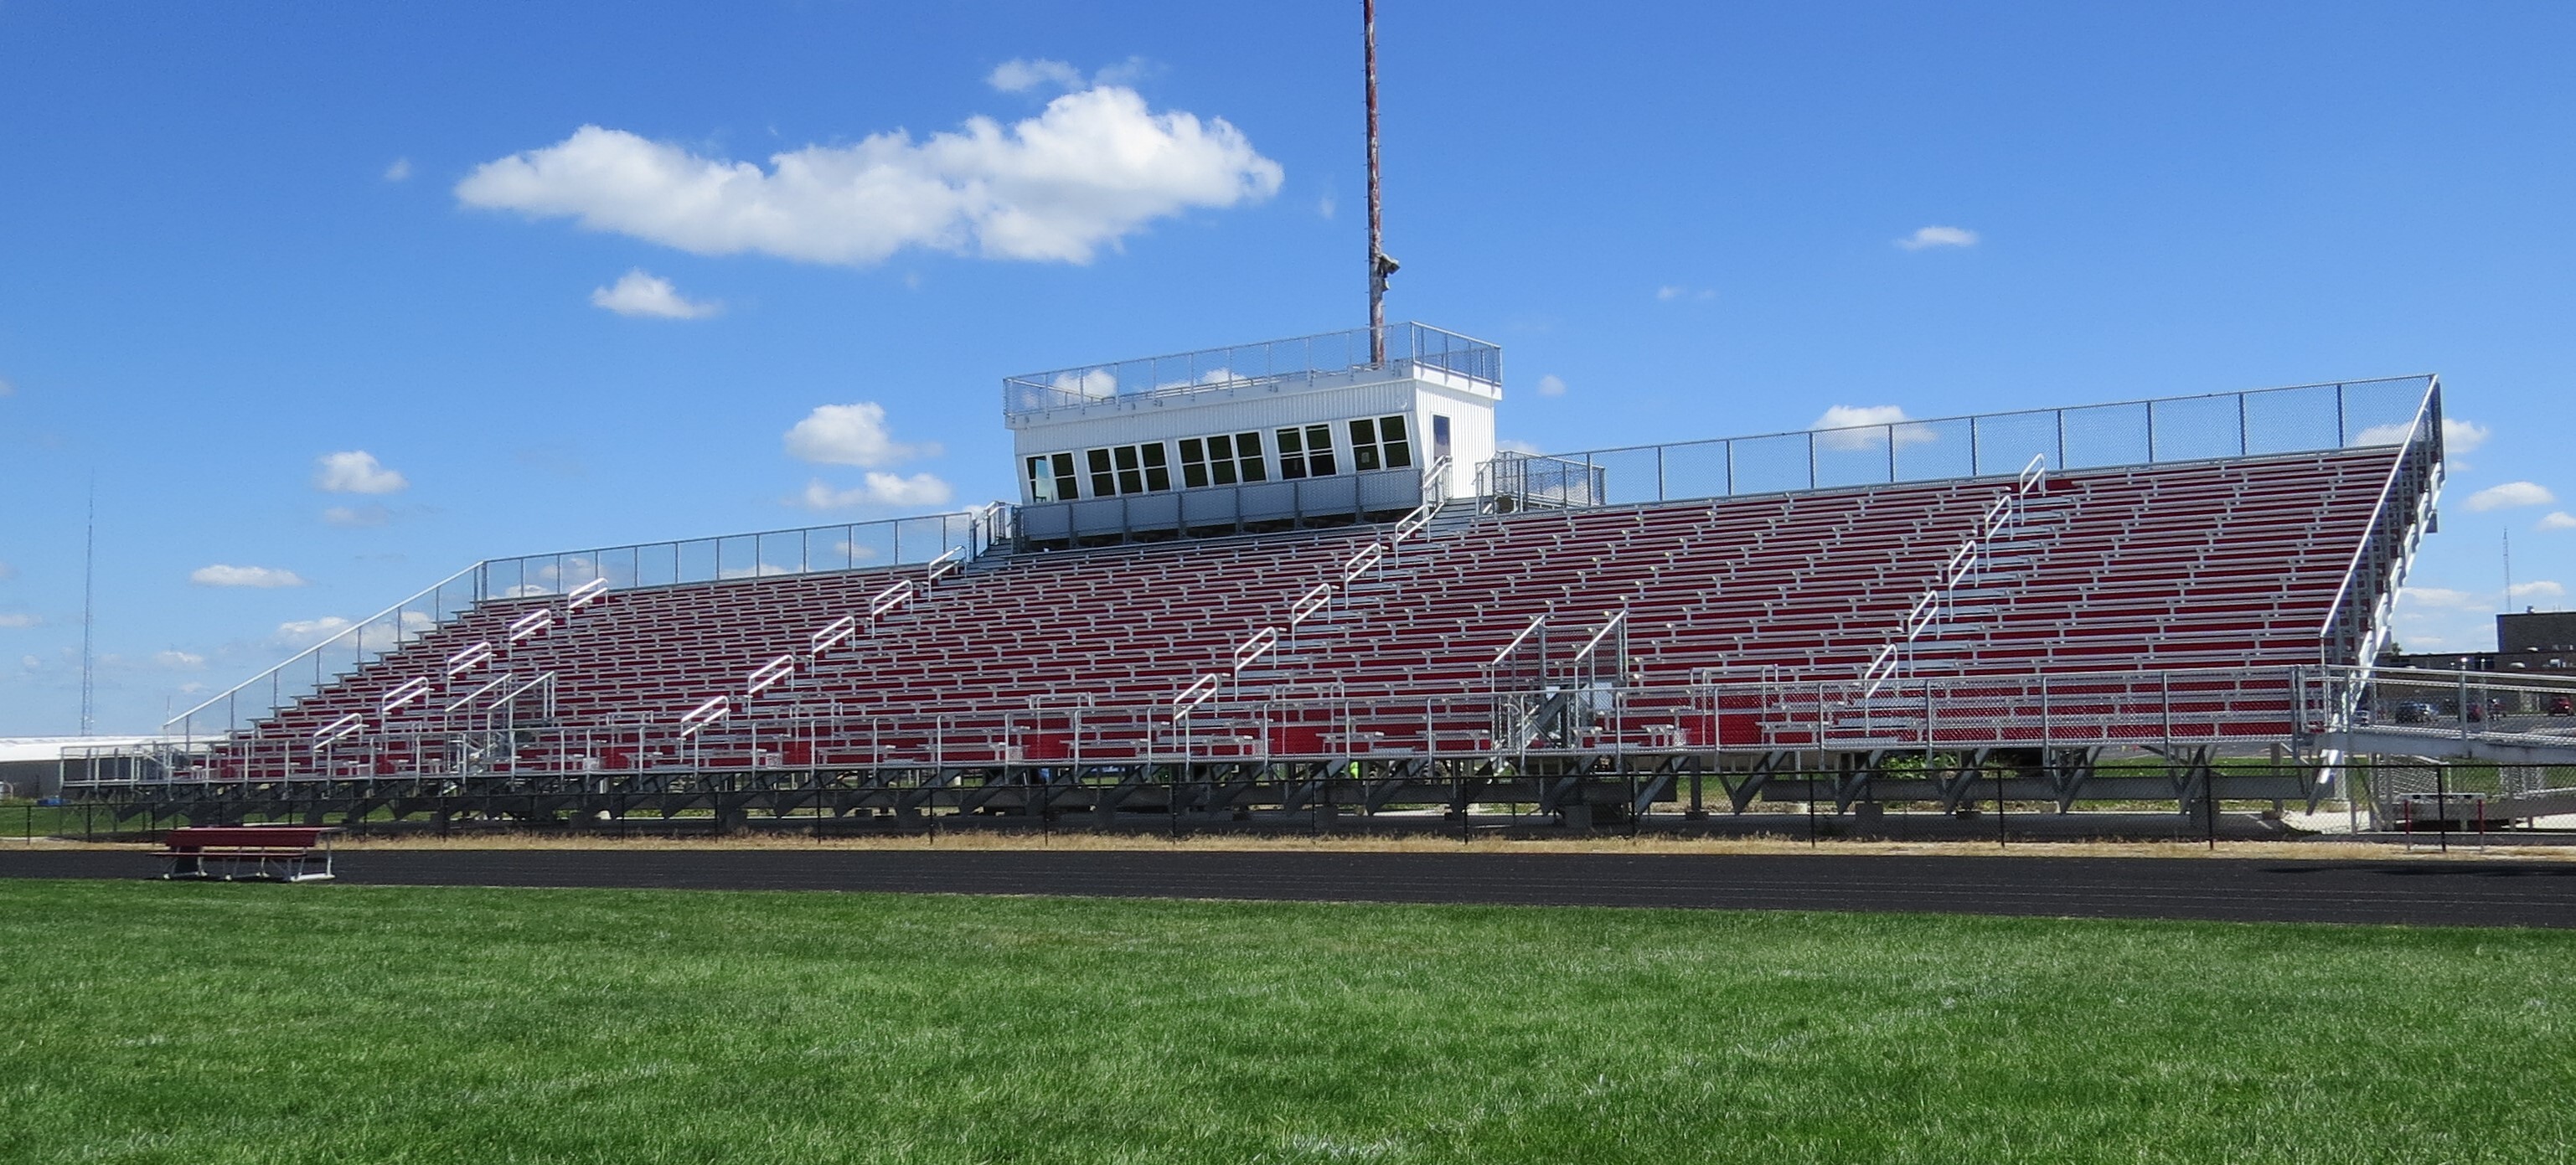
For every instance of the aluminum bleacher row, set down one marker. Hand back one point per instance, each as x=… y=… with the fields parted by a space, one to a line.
x=2218 y=564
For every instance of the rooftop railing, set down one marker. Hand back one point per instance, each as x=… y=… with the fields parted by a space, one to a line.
x=1410 y=348
x=2298 y=419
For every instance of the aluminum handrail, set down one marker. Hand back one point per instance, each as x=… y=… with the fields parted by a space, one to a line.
x=1309 y=603
x=1254 y=648
x=1617 y=618
x=585 y=594
x=402 y=695
x=767 y=675
x=470 y=658
x=2426 y=427
x=338 y=729
x=1195 y=695
x=833 y=634
x=1536 y=621
x=2005 y=508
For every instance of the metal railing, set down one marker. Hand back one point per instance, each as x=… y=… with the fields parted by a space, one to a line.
x=2298 y=419
x=343 y=647
x=1411 y=348
x=1435 y=493
x=2360 y=620
x=2245 y=709
x=1970 y=562
x=2533 y=711
x=801 y=550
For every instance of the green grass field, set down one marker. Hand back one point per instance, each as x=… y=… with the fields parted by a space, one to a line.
x=212 y=1023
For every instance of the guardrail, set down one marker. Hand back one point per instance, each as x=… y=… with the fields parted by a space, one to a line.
x=2359 y=622
x=2532 y=711
x=2238 y=708
x=1410 y=348
x=2296 y=419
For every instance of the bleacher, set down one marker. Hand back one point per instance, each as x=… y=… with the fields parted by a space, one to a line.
x=2216 y=564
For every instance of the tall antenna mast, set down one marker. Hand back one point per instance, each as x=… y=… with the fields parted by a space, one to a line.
x=2508 y=572
x=1381 y=264
x=89 y=606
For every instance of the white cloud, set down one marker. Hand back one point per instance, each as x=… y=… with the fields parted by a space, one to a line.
x=1325 y=206
x=31 y=663
x=882 y=489
x=1020 y=76
x=7 y=572
x=1507 y=445
x=640 y=294
x=400 y=170
x=2458 y=436
x=2444 y=598
x=853 y=434
x=1938 y=237
x=377 y=635
x=1097 y=384
x=1089 y=170
x=1551 y=385
x=356 y=471
x=1124 y=74
x=2559 y=520
x=1855 y=427
x=262 y=577
x=6 y=388
x=357 y=517
x=1024 y=75
x=2536 y=589
x=307 y=632
x=1672 y=291
x=2510 y=495
x=179 y=660
x=16 y=619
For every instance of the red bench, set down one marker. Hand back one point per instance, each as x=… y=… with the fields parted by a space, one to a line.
x=233 y=853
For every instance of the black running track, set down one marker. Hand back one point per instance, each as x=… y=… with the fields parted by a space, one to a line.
x=2438 y=893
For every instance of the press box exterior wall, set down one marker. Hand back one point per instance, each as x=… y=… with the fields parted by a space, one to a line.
x=1266 y=406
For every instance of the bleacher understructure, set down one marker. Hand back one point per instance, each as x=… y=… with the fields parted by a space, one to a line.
x=2124 y=632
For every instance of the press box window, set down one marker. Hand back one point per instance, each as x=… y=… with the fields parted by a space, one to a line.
x=1306 y=452
x=1051 y=478
x=1379 y=444
x=1129 y=469
x=1220 y=460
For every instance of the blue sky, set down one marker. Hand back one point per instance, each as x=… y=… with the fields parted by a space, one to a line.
x=238 y=240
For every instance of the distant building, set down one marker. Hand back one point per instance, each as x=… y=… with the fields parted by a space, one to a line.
x=2534 y=642
x=34 y=766
x=2543 y=632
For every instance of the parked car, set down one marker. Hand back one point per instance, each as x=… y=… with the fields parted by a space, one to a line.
x=2417 y=712
x=2562 y=705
